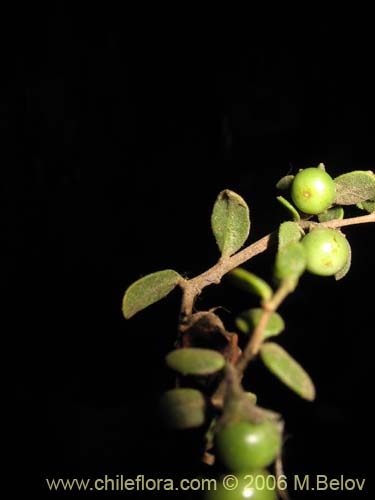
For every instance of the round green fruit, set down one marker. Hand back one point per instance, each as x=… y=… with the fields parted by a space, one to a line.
x=327 y=251
x=257 y=485
x=244 y=446
x=313 y=190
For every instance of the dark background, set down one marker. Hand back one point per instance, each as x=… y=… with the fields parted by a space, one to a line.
x=119 y=131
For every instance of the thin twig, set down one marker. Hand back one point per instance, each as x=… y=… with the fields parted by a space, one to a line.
x=256 y=340
x=268 y=308
x=352 y=221
x=192 y=288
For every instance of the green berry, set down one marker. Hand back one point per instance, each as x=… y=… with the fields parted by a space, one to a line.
x=313 y=190
x=243 y=445
x=257 y=485
x=327 y=251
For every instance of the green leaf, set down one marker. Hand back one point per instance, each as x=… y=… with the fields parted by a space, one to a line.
x=331 y=214
x=289 y=232
x=368 y=206
x=285 y=182
x=248 y=320
x=344 y=270
x=249 y=282
x=230 y=221
x=195 y=361
x=285 y=368
x=291 y=209
x=354 y=187
x=290 y=263
x=147 y=290
x=183 y=408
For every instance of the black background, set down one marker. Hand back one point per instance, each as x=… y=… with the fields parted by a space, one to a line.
x=119 y=133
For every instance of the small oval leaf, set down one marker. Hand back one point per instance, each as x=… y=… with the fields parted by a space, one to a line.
x=147 y=290
x=183 y=408
x=290 y=263
x=335 y=213
x=195 y=361
x=248 y=320
x=289 y=232
x=285 y=182
x=344 y=270
x=249 y=282
x=291 y=209
x=368 y=206
x=230 y=221
x=354 y=187
x=286 y=368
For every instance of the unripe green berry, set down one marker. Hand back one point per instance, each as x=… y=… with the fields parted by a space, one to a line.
x=313 y=190
x=244 y=446
x=327 y=251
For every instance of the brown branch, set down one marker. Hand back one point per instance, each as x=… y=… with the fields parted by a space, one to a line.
x=352 y=221
x=256 y=340
x=192 y=288
x=269 y=307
